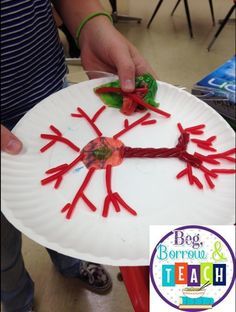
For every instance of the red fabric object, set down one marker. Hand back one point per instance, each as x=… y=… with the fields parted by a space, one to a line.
x=136 y=280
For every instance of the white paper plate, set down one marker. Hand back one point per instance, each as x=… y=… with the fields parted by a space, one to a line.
x=147 y=185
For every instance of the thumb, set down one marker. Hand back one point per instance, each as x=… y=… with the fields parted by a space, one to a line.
x=126 y=69
x=9 y=142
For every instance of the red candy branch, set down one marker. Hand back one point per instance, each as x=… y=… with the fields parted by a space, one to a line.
x=59 y=171
x=114 y=198
x=128 y=127
x=92 y=120
x=69 y=207
x=57 y=137
x=149 y=122
x=98 y=113
x=132 y=99
x=102 y=90
x=137 y=99
x=210 y=159
x=192 y=130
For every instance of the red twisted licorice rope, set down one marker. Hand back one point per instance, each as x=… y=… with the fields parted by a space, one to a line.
x=138 y=152
x=179 y=151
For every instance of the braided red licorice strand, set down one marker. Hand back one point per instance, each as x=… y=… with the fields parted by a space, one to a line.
x=178 y=152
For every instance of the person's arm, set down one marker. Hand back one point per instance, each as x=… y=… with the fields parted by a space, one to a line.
x=57 y=18
x=74 y=11
x=102 y=46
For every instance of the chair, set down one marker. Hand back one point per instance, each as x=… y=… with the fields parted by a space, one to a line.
x=116 y=18
x=136 y=280
x=222 y=25
x=186 y=11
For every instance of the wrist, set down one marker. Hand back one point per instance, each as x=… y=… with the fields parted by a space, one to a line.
x=93 y=27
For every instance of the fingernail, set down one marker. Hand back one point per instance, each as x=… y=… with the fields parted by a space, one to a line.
x=13 y=146
x=128 y=85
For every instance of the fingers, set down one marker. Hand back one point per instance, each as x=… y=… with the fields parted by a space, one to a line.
x=129 y=64
x=9 y=142
x=125 y=68
x=126 y=73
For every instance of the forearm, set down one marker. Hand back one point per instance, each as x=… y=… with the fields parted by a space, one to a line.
x=102 y=47
x=73 y=12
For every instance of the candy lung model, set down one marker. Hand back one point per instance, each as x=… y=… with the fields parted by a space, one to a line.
x=103 y=153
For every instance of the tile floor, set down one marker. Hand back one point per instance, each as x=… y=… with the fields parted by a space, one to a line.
x=178 y=60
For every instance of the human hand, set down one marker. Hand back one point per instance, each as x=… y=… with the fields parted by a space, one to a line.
x=9 y=142
x=103 y=48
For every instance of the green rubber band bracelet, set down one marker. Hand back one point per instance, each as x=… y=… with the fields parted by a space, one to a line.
x=89 y=17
